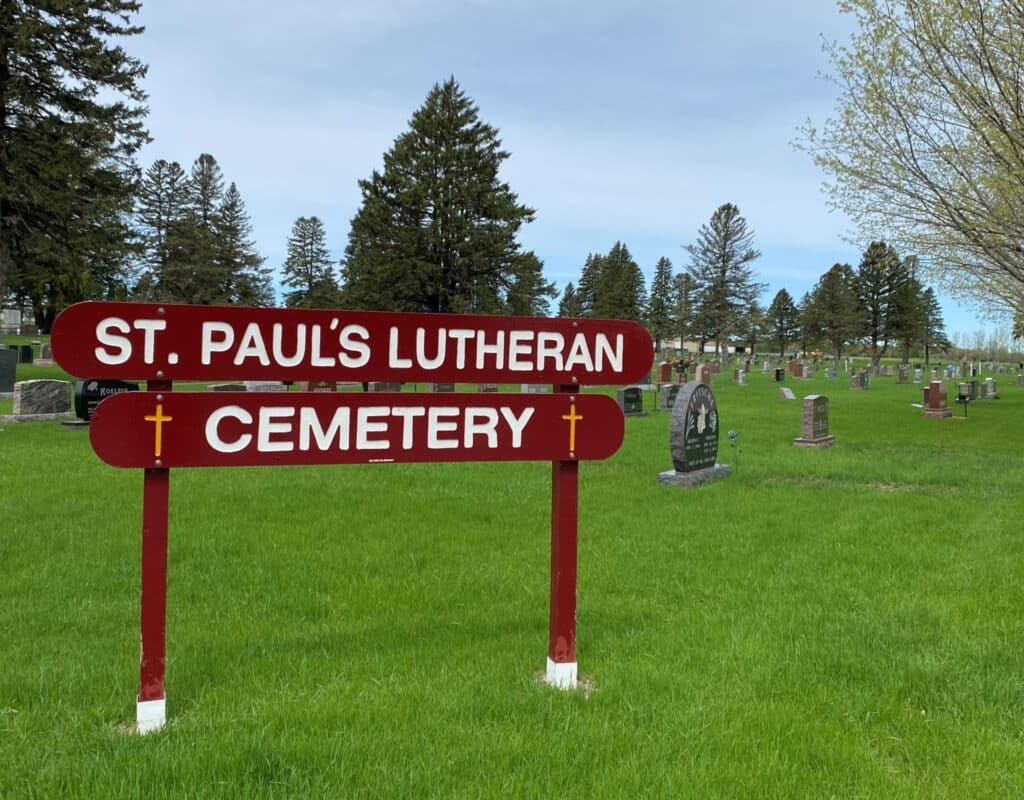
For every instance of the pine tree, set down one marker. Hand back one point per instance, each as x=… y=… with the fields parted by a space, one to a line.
x=590 y=278
x=719 y=264
x=247 y=281
x=204 y=190
x=907 y=314
x=160 y=201
x=71 y=114
x=753 y=327
x=783 y=320
x=935 y=328
x=660 y=321
x=307 y=268
x=834 y=314
x=569 y=305
x=437 y=228
x=685 y=308
x=878 y=276
x=530 y=294
x=621 y=293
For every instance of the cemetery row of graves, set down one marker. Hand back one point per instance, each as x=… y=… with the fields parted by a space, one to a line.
x=840 y=613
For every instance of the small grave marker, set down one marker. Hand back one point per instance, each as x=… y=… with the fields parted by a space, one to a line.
x=667 y=396
x=785 y=393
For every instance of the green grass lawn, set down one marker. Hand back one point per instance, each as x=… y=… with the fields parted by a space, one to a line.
x=824 y=623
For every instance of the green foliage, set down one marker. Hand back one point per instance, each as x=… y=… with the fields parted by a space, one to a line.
x=879 y=277
x=620 y=286
x=437 y=228
x=783 y=320
x=307 y=269
x=685 y=308
x=196 y=237
x=833 y=313
x=530 y=294
x=720 y=266
x=71 y=113
x=588 y=286
x=570 y=305
x=660 y=321
x=926 y=147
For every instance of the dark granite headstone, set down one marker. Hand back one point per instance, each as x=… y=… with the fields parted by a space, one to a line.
x=694 y=429
x=25 y=355
x=8 y=369
x=631 y=401
x=780 y=375
x=89 y=393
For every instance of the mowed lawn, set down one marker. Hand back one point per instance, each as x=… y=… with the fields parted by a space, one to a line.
x=824 y=623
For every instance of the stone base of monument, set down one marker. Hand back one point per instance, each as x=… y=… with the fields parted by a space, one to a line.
x=75 y=424
x=825 y=441
x=673 y=478
x=37 y=417
x=938 y=412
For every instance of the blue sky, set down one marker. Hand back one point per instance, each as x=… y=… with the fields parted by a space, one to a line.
x=626 y=122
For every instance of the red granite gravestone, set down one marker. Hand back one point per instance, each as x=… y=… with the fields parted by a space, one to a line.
x=814 y=424
x=937 y=401
x=664 y=372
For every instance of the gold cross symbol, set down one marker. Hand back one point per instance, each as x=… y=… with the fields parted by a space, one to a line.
x=159 y=419
x=572 y=418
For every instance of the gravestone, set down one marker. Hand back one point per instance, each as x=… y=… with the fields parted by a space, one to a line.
x=903 y=374
x=973 y=389
x=797 y=370
x=8 y=369
x=785 y=393
x=780 y=375
x=265 y=386
x=664 y=372
x=855 y=383
x=814 y=424
x=918 y=375
x=988 y=389
x=487 y=387
x=440 y=387
x=693 y=439
x=766 y=367
x=741 y=378
x=830 y=373
x=736 y=374
x=667 y=396
x=808 y=373
x=42 y=399
x=226 y=387
x=631 y=401
x=29 y=330
x=24 y=353
x=534 y=388
x=680 y=378
x=319 y=386
x=89 y=393
x=384 y=386
x=937 y=401
x=864 y=379
x=45 y=352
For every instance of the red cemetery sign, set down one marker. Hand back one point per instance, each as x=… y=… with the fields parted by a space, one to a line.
x=181 y=342
x=159 y=429
x=233 y=429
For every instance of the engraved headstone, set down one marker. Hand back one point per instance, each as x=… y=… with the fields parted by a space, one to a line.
x=667 y=396
x=631 y=401
x=24 y=353
x=89 y=394
x=318 y=386
x=487 y=387
x=937 y=401
x=702 y=374
x=785 y=393
x=814 y=424
x=918 y=375
x=780 y=375
x=664 y=372
x=693 y=439
x=797 y=370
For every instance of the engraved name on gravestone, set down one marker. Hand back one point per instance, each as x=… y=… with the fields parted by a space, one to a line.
x=693 y=438
x=814 y=423
x=89 y=394
x=8 y=370
x=631 y=401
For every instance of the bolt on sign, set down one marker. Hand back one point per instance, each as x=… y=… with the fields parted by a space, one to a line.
x=159 y=429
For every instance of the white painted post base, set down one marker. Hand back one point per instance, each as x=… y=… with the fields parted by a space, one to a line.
x=150 y=715
x=562 y=675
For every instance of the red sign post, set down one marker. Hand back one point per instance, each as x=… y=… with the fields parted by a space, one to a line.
x=160 y=429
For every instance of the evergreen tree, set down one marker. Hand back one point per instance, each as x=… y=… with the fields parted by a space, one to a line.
x=719 y=263
x=834 y=314
x=437 y=228
x=659 y=312
x=878 y=276
x=685 y=308
x=753 y=327
x=621 y=293
x=783 y=320
x=204 y=190
x=935 y=328
x=530 y=294
x=590 y=278
x=569 y=305
x=907 y=315
x=247 y=281
x=307 y=268
x=71 y=114
x=160 y=201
